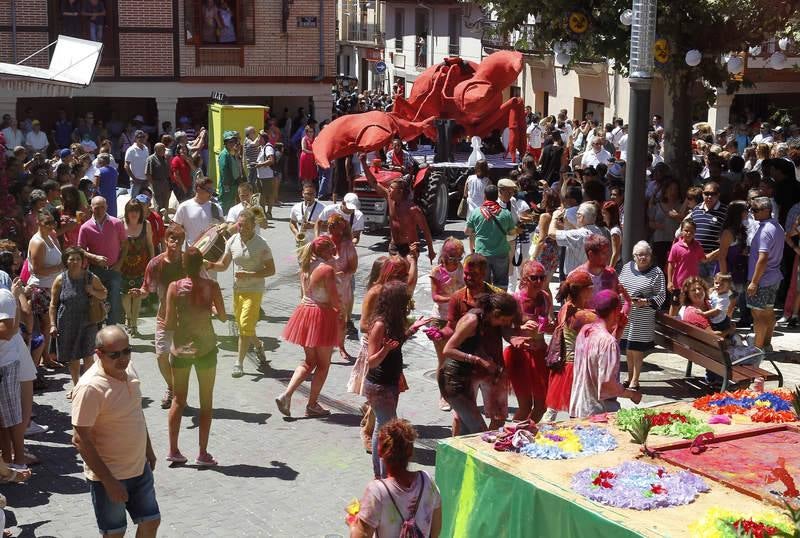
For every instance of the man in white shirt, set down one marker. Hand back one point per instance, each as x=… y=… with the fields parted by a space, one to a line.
x=575 y=254
x=245 y=191
x=305 y=214
x=623 y=143
x=198 y=214
x=36 y=140
x=14 y=137
x=617 y=132
x=347 y=208
x=265 y=174
x=765 y=135
x=596 y=154
x=136 y=163
x=535 y=139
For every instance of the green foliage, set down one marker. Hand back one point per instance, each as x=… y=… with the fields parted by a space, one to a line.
x=639 y=430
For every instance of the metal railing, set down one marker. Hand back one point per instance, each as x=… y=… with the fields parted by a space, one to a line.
x=362 y=33
x=520 y=39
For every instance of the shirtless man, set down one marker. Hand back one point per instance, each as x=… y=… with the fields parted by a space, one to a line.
x=405 y=218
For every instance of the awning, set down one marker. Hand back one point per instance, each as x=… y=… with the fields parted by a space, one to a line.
x=73 y=65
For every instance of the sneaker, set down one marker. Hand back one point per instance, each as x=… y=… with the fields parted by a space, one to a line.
x=166 y=401
x=317 y=411
x=205 y=460
x=284 y=405
x=793 y=322
x=176 y=457
x=783 y=320
x=237 y=371
x=35 y=429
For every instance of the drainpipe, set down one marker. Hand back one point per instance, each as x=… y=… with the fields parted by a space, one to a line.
x=13 y=31
x=321 y=74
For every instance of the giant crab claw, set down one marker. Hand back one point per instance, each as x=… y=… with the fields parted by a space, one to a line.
x=482 y=93
x=362 y=133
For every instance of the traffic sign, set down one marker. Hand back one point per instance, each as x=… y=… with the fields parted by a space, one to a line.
x=380 y=67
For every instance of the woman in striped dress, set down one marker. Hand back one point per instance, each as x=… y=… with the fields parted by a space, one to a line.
x=645 y=283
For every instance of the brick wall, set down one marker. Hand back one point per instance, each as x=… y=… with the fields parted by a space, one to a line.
x=29 y=13
x=145 y=13
x=27 y=43
x=145 y=55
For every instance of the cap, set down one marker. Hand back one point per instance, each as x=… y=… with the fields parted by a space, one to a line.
x=351 y=201
x=615 y=171
x=143 y=198
x=35 y=122
x=64 y=153
x=138 y=118
x=179 y=134
x=506 y=183
x=230 y=135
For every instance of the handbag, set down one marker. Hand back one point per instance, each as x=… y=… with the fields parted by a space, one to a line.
x=463 y=207
x=97 y=307
x=554 y=359
x=355 y=385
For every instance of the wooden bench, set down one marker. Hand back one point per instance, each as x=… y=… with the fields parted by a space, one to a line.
x=711 y=352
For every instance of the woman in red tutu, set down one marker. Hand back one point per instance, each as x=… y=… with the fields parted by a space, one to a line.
x=575 y=294
x=525 y=366
x=307 y=168
x=315 y=324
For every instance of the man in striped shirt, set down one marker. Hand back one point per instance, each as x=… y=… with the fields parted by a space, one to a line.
x=251 y=151
x=709 y=217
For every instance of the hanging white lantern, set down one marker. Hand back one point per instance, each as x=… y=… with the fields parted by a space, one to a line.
x=693 y=58
x=784 y=43
x=626 y=17
x=735 y=65
x=755 y=50
x=777 y=60
x=562 y=58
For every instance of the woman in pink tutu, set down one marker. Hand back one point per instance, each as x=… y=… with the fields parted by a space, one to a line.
x=308 y=166
x=526 y=368
x=315 y=324
x=575 y=294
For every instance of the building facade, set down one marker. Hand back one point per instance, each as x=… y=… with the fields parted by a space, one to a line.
x=163 y=59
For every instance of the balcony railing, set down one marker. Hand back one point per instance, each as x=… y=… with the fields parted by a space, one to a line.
x=520 y=39
x=362 y=33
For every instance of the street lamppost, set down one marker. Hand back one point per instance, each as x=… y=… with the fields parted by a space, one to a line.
x=643 y=32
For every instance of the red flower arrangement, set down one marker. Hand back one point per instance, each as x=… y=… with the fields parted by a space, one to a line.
x=748 y=527
x=665 y=419
x=602 y=479
x=658 y=489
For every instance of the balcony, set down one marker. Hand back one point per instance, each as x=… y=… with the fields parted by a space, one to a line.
x=362 y=33
x=520 y=39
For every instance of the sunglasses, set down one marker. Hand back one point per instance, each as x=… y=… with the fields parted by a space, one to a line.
x=126 y=352
x=710 y=193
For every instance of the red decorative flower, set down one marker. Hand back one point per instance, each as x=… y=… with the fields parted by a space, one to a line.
x=748 y=527
x=665 y=419
x=661 y=472
x=602 y=479
x=657 y=489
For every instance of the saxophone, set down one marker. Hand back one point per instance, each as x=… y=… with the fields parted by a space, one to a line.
x=255 y=207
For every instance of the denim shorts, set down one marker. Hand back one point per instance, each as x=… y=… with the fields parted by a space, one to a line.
x=141 y=505
x=764 y=299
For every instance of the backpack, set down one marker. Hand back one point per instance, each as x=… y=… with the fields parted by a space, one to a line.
x=409 y=527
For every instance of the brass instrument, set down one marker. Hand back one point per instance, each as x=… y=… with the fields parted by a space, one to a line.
x=300 y=240
x=255 y=207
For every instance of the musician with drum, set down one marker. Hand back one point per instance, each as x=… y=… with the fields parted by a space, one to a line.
x=305 y=214
x=252 y=258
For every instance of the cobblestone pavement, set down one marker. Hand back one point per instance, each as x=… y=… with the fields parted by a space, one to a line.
x=277 y=477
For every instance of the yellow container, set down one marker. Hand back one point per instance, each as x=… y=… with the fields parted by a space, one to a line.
x=221 y=118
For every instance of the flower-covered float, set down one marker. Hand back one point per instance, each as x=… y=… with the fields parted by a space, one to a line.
x=552 y=441
x=773 y=406
x=639 y=486
x=723 y=523
x=670 y=424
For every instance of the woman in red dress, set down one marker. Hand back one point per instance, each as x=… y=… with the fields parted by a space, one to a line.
x=315 y=324
x=526 y=367
x=308 y=166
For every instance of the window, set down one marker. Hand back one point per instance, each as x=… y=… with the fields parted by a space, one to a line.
x=422 y=30
x=454 y=31
x=399 y=29
x=223 y=22
x=87 y=19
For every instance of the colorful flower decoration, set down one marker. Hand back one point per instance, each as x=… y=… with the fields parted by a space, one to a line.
x=723 y=523
x=554 y=442
x=771 y=406
x=679 y=424
x=639 y=486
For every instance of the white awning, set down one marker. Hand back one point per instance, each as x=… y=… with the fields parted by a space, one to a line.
x=73 y=65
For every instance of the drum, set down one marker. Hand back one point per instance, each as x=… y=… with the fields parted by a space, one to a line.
x=212 y=243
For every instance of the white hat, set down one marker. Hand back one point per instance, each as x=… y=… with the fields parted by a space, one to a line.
x=351 y=201
x=506 y=183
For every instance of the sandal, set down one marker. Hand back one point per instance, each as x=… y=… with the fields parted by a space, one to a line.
x=317 y=411
x=283 y=406
x=166 y=401
x=237 y=371
x=177 y=457
x=205 y=460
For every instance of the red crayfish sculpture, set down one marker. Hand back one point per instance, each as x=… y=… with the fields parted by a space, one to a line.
x=467 y=92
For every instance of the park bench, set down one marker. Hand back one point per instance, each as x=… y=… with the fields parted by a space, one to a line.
x=711 y=352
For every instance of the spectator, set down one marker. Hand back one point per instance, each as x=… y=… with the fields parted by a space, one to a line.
x=105 y=182
x=413 y=496
x=44 y=262
x=305 y=214
x=664 y=217
x=136 y=163
x=69 y=310
x=111 y=436
x=266 y=179
x=180 y=169
x=475 y=186
x=36 y=140
x=596 y=154
x=252 y=148
x=545 y=249
x=645 y=284
x=14 y=137
x=157 y=171
x=138 y=251
x=95 y=11
x=71 y=18
x=763 y=271
x=733 y=254
x=104 y=239
x=348 y=208
x=72 y=216
x=307 y=167
x=709 y=217
x=573 y=239
x=610 y=215
x=487 y=229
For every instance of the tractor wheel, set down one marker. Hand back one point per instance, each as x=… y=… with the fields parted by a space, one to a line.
x=434 y=201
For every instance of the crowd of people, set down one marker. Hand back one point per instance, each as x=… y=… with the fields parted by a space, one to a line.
x=539 y=299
